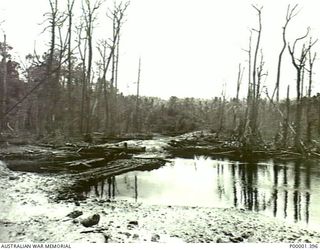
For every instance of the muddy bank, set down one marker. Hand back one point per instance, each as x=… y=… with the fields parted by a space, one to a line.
x=69 y=158
x=211 y=144
x=29 y=214
x=81 y=165
x=53 y=156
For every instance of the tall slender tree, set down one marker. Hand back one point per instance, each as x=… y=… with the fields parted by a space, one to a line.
x=89 y=14
x=236 y=106
x=104 y=63
x=82 y=50
x=253 y=118
x=311 y=60
x=291 y=13
x=299 y=64
x=138 y=118
x=117 y=15
x=286 y=119
x=49 y=91
x=4 y=87
x=69 y=83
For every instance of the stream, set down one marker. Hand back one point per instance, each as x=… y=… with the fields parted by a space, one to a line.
x=288 y=191
x=190 y=192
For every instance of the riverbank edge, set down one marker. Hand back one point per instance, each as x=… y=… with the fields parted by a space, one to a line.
x=202 y=142
x=122 y=221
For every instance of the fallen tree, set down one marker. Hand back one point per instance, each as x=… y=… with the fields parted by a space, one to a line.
x=80 y=181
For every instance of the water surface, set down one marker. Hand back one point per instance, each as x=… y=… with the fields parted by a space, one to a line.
x=289 y=191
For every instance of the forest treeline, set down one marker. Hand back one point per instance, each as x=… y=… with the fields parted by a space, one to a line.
x=65 y=92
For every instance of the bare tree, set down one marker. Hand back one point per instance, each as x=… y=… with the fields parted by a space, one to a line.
x=244 y=122
x=255 y=57
x=104 y=63
x=311 y=60
x=239 y=80
x=291 y=13
x=286 y=118
x=4 y=87
x=117 y=62
x=249 y=67
x=53 y=22
x=117 y=16
x=50 y=90
x=221 y=111
x=82 y=46
x=107 y=58
x=89 y=13
x=69 y=83
x=260 y=74
x=109 y=55
x=235 y=107
x=138 y=118
x=53 y=88
x=299 y=64
x=255 y=83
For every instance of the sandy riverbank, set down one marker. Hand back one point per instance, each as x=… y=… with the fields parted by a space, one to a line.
x=29 y=214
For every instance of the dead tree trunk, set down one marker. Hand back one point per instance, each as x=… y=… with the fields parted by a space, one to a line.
x=311 y=60
x=69 y=83
x=54 y=13
x=82 y=49
x=299 y=64
x=290 y=14
x=284 y=143
x=245 y=119
x=222 y=112
x=4 y=87
x=89 y=13
x=260 y=75
x=51 y=91
x=117 y=15
x=138 y=125
x=253 y=117
x=236 y=106
x=62 y=48
x=102 y=48
x=113 y=88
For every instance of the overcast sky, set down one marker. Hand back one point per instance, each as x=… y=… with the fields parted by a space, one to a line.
x=189 y=48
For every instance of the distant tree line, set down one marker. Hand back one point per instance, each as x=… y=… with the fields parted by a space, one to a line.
x=65 y=92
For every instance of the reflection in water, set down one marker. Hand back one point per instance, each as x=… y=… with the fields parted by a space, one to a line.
x=135 y=187
x=275 y=189
x=296 y=194
x=279 y=190
x=234 y=186
x=248 y=179
x=268 y=188
x=101 y=190
x=285 y=185
x=307 y=188
x=220 y=182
